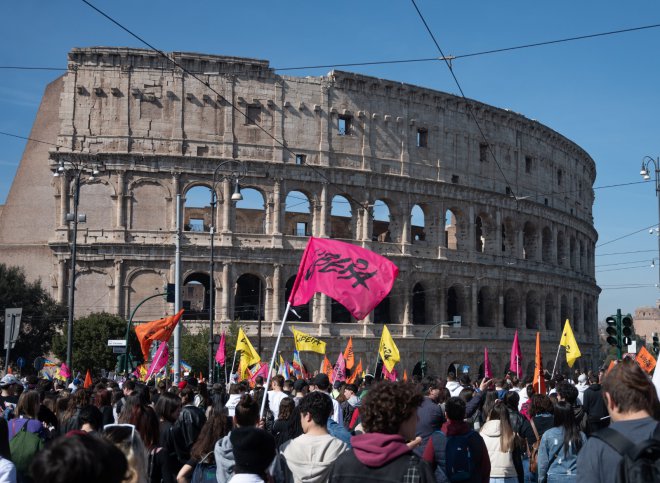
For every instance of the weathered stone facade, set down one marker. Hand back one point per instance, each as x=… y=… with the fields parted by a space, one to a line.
x=498 y=262
x=646 y=321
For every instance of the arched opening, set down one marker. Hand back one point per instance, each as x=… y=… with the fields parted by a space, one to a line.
x=297 y=214
x=382 y=312
x=486 y=307
x=250 y=212
x=564 y=312
x=511 y=309
x=532 y=310
x=249 y=298
x=561 y=249
x=546 y=242
x=508 y=238
x=581 y=264
x=530 y=243
x=550 y=312
x=339 y=313
x=195 y=296
x=417 y=224
x=451 y=230
x=571 y=256
x=458 y=368
x=479 y=239
x=454 y=302
x=303 y=311
x=197 y=210
x=380 y=227
x=341 y=219
x=575 y=320
x=419 y=304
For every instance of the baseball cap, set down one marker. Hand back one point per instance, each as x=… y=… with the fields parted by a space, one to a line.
x=8 y=380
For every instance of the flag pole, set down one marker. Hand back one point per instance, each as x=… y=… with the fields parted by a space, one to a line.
x=233 y=362
x=272 y=360
x=556 y=359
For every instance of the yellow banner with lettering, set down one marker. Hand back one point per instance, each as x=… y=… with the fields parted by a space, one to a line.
x=305 y=342
x=388 y=350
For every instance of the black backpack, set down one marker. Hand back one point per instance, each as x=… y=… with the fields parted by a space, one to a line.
x=640 y=463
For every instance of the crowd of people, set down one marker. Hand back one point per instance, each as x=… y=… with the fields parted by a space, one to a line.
x=426 y=430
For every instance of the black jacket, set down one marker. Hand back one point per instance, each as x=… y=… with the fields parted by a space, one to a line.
x=186 y=429
x=348 y=469
x=594 y=405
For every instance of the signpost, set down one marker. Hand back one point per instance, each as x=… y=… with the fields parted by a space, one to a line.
x=12 y=329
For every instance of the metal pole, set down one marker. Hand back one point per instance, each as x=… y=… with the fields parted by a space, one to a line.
x=272 y=359
x=259 y=320
x=424 y=345
x=11 y=337
x=72 y=275
x=619 y=335
x=211 y=289
x=657 y=195
x=177 y=290
x=128 y=328
x=556 y=359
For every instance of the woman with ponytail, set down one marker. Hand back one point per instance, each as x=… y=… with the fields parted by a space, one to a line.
x=501 y=443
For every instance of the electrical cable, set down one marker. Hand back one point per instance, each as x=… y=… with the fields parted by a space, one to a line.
x=625 y=253
x=625 y=236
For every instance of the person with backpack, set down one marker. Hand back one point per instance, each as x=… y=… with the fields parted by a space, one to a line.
x=500 y=440
x=27 y=435
x=560 y=445
x=594 y=405
x=614 y=454
x=457 y=451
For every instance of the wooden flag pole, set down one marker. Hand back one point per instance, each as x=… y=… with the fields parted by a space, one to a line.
x=272 y=360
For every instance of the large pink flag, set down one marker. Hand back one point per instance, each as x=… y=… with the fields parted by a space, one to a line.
x=488 y=372
x=339 y=372
x=390 y=376
x=262 y=371
x=159 y=361
x=220 y=354
x=65 y=371
x=355 y=277
x=515 y=364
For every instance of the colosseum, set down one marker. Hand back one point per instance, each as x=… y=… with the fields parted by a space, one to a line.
x=490 y=236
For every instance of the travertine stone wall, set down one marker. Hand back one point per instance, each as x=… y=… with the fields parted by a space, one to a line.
x=504 y=248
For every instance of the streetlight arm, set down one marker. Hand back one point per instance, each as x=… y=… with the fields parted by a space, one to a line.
x=128 y=327
x=424 y=344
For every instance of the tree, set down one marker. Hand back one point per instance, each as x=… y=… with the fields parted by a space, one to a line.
x=42 y=316
x=195 y=350
x=90 y=342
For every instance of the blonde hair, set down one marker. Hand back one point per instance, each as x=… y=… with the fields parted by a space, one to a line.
x=130 y=443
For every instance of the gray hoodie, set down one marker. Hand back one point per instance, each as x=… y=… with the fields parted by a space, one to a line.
x=309 y=458
x=224 y=459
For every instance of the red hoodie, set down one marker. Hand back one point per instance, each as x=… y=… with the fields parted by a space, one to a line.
x=377 y=449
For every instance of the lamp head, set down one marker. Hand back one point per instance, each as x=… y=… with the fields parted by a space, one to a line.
x=646 y=176
x=237 y=196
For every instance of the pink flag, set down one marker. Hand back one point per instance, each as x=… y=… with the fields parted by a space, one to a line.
x=339 y=373
x=220 y=355
x=488 y=372
x=355 y=277
x=65 y=371
x=262 y=371
x=390 y=376
x=159 y=361
x=515 y=364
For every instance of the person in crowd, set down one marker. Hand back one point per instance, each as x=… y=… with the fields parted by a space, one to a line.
x=593 y=403
x=254 y=450
x=453 y=386
x=581 y=386
x=521 y=427
x=524 y=408
x=455 y=429
x=127 y=389
x=429 y=415
x=569 y=393
x=281 y=430
x=350 y=403
x=300 y=388
x=246 y=415
x=443 y=397
x=308 y=457
x=7 y=468
x=187 y=426
x=218 y=395
x=384 y=451
x=276 y=394
x=288 y=387
x=321 y=383
x=127 y=439
x=80 y=458
x=501 y=387
x=560 y=445
x=202 y=458
x=541 y=418
x=631 y=400
x=103 y=401
x=489 y=397
x=8 y=397
x=202 y=398
x=167 y=410
x=26 y=413
x=500 y=440
x=236 y=390
x=91 y=419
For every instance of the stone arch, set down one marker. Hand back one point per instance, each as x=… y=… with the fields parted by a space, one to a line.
x=95 y=199
x=483 y=232
x=142 y=283
x=93 y=292
x=532 y=310
x=302 y=310
x=452 y=228
x=581 y=260
x=508 y=237
x=563 y=311
x=511 y=308
x=250 y=212
x=250 y=297
x=550 y=312
x=546 y=244
x=417 y=224
x=381 y=219
x=147 y=206
x=196 y=295
x=297 y=214
x=455 y=302
x=197 y=208
x=342 y=224
x=561 y=249
x=419 y=304
x=530 y=241
x=576 y=323
x=572 y=252
x=383 y=312
x=486 y=307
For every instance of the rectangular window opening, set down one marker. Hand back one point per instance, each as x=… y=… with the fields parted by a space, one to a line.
x=300 y=159
x=197 y=224
x=301 y=228
x=528 y=164
x=483 y=152
x=422 y=138
x=344 y=125
x=559 y=174
x=454 y=178
x=253 y=114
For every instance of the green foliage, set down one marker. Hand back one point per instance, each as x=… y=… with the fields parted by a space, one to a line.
x=42 y=317
x=90 y=342
x=195 y=350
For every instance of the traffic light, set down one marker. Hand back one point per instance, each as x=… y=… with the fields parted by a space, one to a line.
x=626 y=330
x=612 y=331
x=170 y=293
x=656 y=343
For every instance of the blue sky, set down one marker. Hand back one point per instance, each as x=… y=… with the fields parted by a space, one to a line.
x=601 y=93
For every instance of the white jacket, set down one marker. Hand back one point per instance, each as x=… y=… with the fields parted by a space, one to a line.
x=309 y=458
x=501 y=464
x=454 y=388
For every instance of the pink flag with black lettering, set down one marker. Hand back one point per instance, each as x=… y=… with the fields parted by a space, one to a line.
x=339 y=372
x=355 y=277
x=515 y=363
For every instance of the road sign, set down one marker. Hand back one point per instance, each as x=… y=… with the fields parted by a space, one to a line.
x=118 y=350
x=12 y=325
x=20 y=362
x=116 y=343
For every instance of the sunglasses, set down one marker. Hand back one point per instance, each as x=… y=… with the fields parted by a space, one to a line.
x=127 y=426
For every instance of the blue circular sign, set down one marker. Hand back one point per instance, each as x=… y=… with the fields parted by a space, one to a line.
x=20 y=362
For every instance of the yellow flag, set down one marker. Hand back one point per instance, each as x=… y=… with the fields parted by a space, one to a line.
x=388 y=350
x=568 y=341
x=248 y=355
x=305 y=342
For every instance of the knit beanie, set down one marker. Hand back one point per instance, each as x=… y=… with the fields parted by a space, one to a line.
x=254 y=449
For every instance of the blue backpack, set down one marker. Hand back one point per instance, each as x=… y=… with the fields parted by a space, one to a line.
x=459 y=463
x=204 y=472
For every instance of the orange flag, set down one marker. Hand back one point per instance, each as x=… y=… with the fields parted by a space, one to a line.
x=539 y=381
x=88 y=380
x=355 y=373
x=326 y=368
x=405 y=376
x=645 y=360
x=349 y=357
x=157 y=330
x=613 y=363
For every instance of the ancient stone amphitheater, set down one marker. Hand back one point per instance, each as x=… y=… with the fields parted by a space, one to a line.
x=490 y=236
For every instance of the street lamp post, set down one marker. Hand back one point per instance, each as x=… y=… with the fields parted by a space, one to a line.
x=77 y=169
x=647 y=162
x=236 y=171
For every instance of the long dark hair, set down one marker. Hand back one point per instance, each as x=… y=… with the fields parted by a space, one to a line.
x=5 y=452
x=500 y=413
x=565 y=419
x=216 y=427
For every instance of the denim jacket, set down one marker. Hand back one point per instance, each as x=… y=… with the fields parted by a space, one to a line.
x=564 y=466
